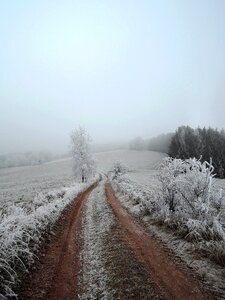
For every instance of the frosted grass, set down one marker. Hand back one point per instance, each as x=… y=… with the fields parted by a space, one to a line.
x=97 y=223
x=22 y=229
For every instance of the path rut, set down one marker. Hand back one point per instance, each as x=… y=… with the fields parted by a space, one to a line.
x=55 y=275
x=99 y=251
x=171 y=281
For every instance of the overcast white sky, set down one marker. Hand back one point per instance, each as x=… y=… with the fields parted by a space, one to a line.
x=121 y=68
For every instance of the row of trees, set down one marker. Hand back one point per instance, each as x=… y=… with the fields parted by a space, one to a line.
x=204 y=143
x=159 y=143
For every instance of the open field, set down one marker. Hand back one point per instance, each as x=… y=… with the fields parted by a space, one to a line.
x=22 y=184
x=41 y=193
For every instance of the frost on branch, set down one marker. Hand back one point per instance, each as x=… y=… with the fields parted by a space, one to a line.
x=22 y=230
x=186 y=189
x=118 y=169
x=185 y=200
x=84 y=164
x=188 y=202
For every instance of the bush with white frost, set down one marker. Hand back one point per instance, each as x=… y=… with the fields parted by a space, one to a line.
x=186 y=201
x=22 y=230
x=118 y=169
x=129 y=189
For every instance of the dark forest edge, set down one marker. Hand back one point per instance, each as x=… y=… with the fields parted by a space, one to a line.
x=205 y=144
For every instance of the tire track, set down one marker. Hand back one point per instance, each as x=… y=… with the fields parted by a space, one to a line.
x=172 y=282
x=55 y=275
x=109 y=268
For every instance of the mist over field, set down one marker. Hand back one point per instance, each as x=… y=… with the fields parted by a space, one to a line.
x=121 y=69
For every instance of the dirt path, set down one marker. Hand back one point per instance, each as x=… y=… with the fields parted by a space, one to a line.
x=55 y=276
x=109 y=270
x=100 y=252
x=171 y=281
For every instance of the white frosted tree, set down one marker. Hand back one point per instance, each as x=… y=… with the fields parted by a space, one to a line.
x=83 y=162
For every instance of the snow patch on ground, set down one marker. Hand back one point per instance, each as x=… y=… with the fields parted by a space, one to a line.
x=97 y=223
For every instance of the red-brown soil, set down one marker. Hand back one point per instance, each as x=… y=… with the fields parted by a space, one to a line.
x=171 y=281
x=55 y=275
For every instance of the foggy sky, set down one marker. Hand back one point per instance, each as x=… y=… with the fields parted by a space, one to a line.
x=120 y=68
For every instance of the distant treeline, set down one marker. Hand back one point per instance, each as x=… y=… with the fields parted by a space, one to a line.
x=186 y=142
x=201 y=142
x=24 y=159
x=160 y=143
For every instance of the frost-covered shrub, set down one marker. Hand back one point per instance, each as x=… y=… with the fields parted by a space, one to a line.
x=186 y=186
x=22 y=230
x=118 y=169
x=185 y=200
x=131 y=192
x=188 y=202
x=186 y=197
